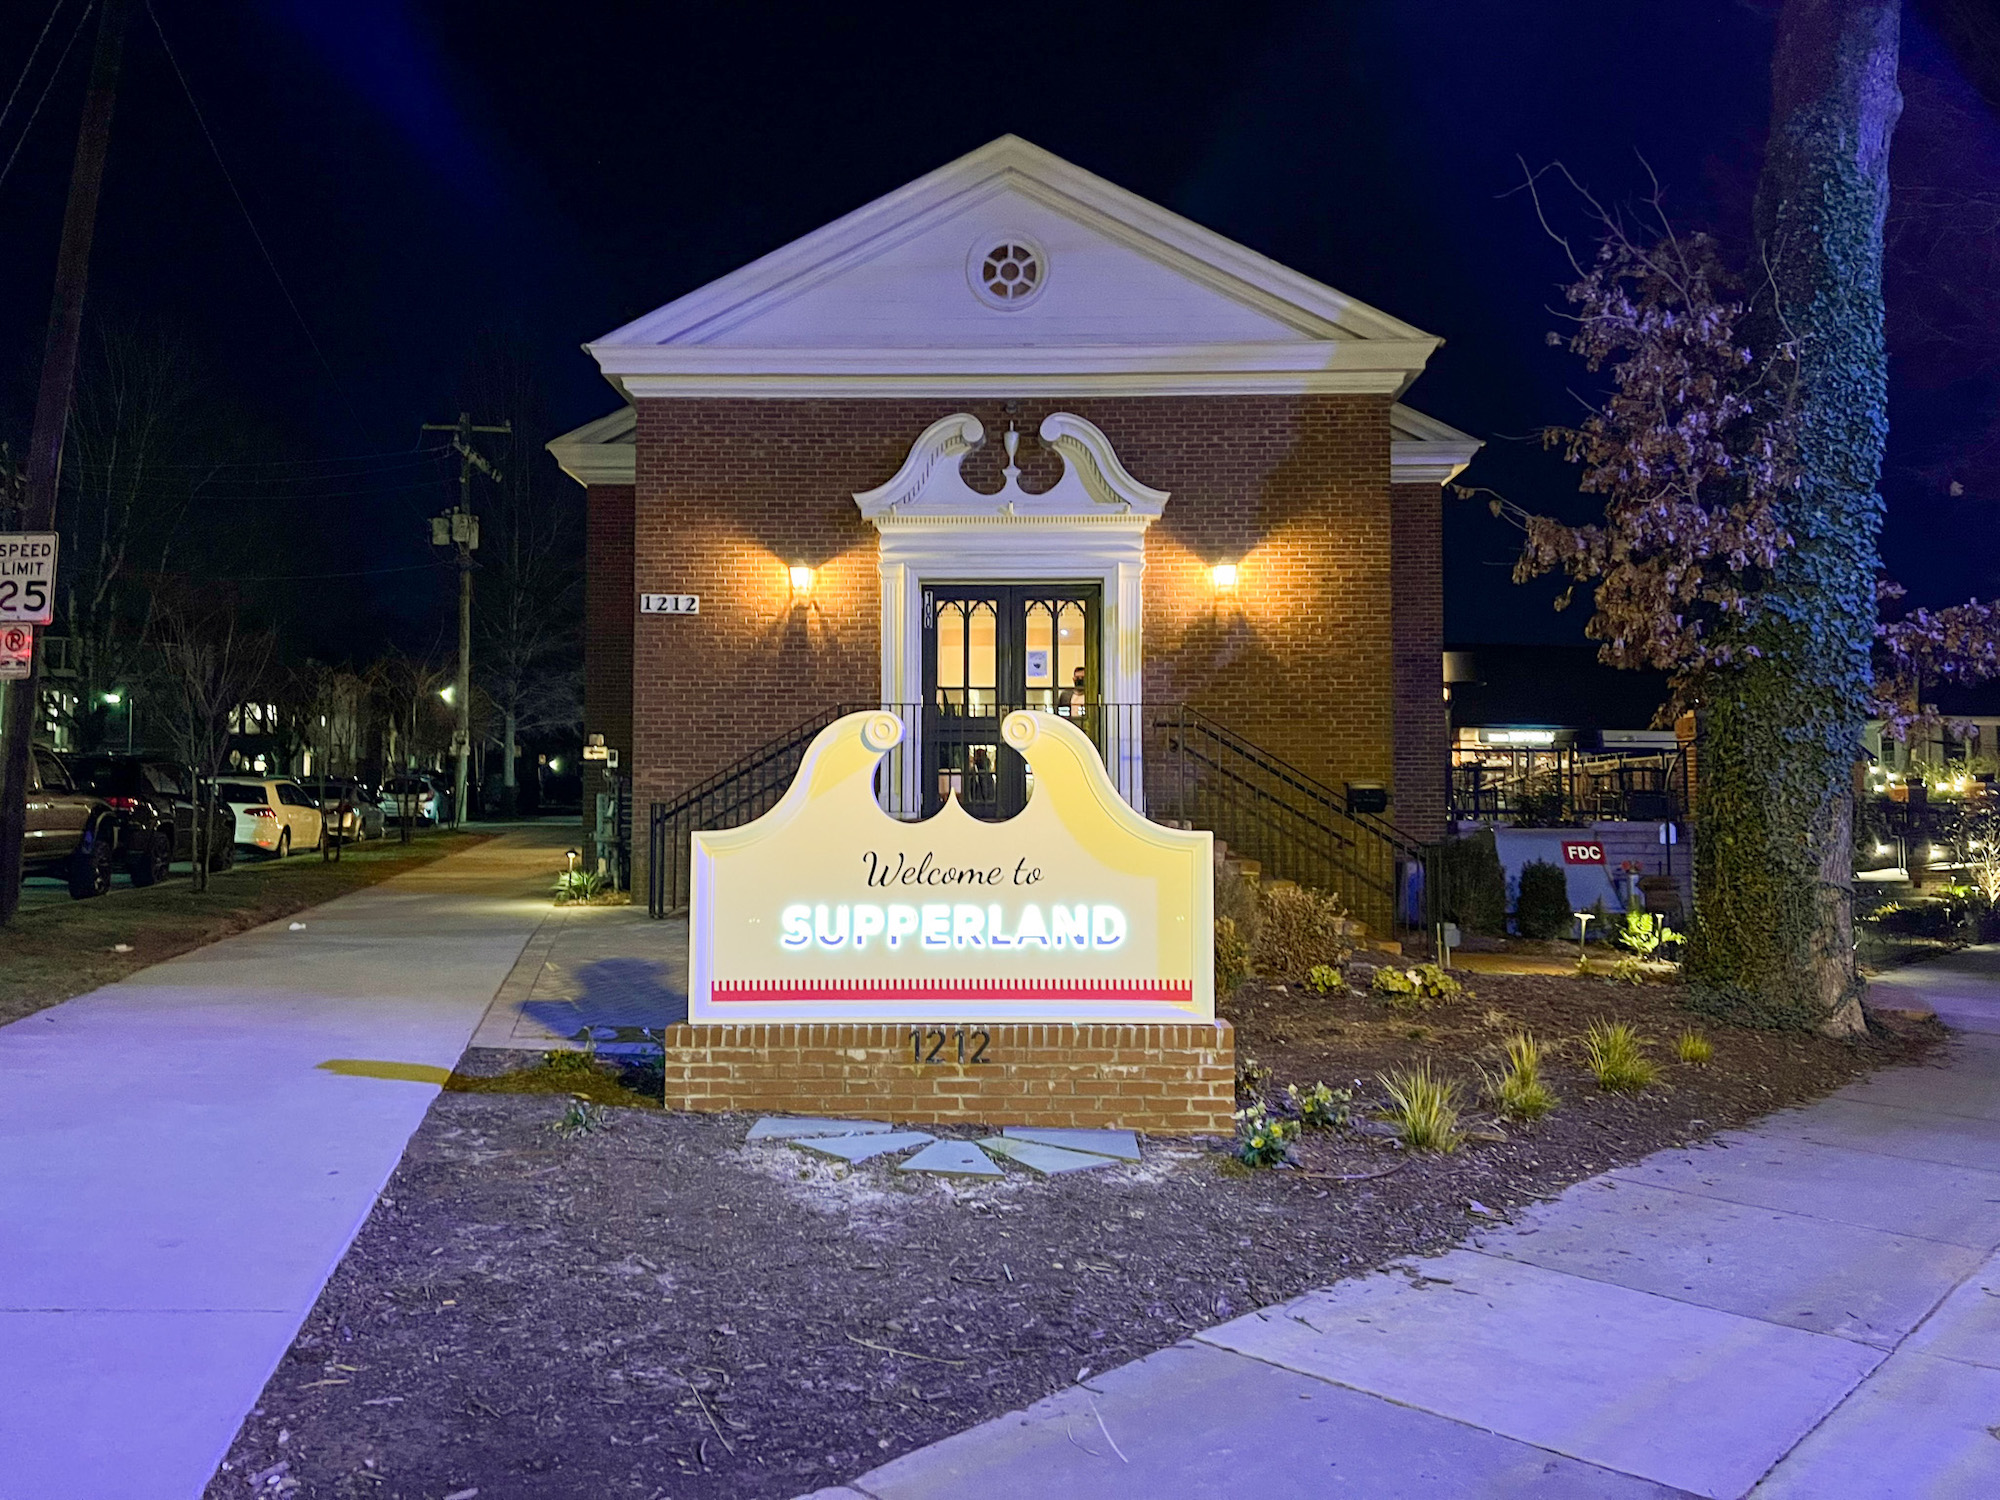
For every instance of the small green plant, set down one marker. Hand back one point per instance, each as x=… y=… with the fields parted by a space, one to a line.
x=580 y=1119
x=1542 y=909
x=1252 y=1077
x=1517 y=1089
x=1232 y=956
x=581 y=885
x=1693 y=1048
x=572 y=1062
x=1424 y=1109
x=1418 y=988
x=1617 y=1058
x=1262 y=1141
x=1321 y=1108
x=1326 y=979
x=1299 y=930
x=1643 y=935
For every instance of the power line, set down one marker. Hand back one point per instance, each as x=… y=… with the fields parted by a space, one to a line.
x=407 y=455
x=429 y=567
x=28 y=129
x=28 y=66
x=263 y=249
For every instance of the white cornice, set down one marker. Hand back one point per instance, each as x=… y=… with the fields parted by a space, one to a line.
x=1087 y=453
x=1423 y=450
x=1340 y=366
x=600 y=452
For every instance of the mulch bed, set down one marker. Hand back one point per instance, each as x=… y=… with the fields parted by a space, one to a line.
x=657 y=1309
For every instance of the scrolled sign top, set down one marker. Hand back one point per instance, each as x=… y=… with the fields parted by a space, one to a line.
x=1076 y=909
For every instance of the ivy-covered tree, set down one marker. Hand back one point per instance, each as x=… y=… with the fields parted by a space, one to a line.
x=1739 y=455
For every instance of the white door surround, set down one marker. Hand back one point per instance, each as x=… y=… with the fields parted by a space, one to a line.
x=1089 y=527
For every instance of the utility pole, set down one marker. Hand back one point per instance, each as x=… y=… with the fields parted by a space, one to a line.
x=52 y=404
x=459 y=528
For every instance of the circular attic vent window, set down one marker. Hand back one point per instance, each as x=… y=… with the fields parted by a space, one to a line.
x=1008 y=273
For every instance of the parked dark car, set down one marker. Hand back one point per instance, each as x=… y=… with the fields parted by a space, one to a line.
x=153 y=799
x=71 y=834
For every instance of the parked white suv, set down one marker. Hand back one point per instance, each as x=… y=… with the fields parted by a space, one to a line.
x=273 y=814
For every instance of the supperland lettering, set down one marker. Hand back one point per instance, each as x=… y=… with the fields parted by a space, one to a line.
x=831 y=928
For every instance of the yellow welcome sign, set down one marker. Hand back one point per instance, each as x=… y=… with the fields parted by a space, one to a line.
x=828 y=909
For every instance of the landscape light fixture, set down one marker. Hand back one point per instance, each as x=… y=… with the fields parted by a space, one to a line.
x=1223 y=576
x=571 y=855
x=449 y=692
x=802 y=578
x=1583 y=919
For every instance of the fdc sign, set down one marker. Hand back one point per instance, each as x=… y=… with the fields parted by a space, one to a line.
x=828 y=909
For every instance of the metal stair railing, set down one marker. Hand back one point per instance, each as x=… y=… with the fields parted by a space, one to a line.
x=1293 y=825
x=1170 y=762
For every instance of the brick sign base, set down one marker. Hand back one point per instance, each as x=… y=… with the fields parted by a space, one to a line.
x=1159 y=1080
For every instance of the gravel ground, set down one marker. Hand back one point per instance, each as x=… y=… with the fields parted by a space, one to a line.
x=657 y=1309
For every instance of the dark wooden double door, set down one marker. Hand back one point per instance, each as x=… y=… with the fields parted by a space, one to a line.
x=990 y=648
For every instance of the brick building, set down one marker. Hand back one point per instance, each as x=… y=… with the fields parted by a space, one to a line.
x=1008 y=425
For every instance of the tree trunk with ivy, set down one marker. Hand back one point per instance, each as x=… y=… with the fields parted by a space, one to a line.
x=1773 y=942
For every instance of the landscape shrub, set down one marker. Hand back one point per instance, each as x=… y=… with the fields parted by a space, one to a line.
x=1236 y=899
x=1299 y=930
x=1542 y=910
x=1320 y=1107
x=1472 y=887
x=1232 y=956
x=1418 y=988
x=1326 y=979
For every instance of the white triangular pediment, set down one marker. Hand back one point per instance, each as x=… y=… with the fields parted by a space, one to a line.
x=903 y=295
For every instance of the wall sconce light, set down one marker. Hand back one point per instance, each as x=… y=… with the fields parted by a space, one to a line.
x=802 y=578
x=1223 y=575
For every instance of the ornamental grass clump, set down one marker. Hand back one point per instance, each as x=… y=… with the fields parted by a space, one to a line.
x=1617 y=1058
x=1424 y=1109
x=1262 y=1141
x=1517 y=1089
x=1694 y=1049
x=1320 y=1107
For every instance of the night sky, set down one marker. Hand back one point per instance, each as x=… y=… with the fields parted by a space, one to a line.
x=437 y=180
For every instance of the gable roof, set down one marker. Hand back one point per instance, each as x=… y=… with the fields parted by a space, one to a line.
x=1131 y=299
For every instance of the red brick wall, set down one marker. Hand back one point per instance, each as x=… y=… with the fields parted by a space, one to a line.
x=608 y=608
x=1294 y=489
x=1423 y=749
x=1173 y=1079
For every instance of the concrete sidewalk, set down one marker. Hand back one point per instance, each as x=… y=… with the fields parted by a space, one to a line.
x=1810 y=1308
x=181 y=1170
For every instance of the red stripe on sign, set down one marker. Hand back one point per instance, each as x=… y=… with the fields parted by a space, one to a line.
x=756 y=991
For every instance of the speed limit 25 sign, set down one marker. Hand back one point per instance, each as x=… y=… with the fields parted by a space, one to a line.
x=28 y=577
